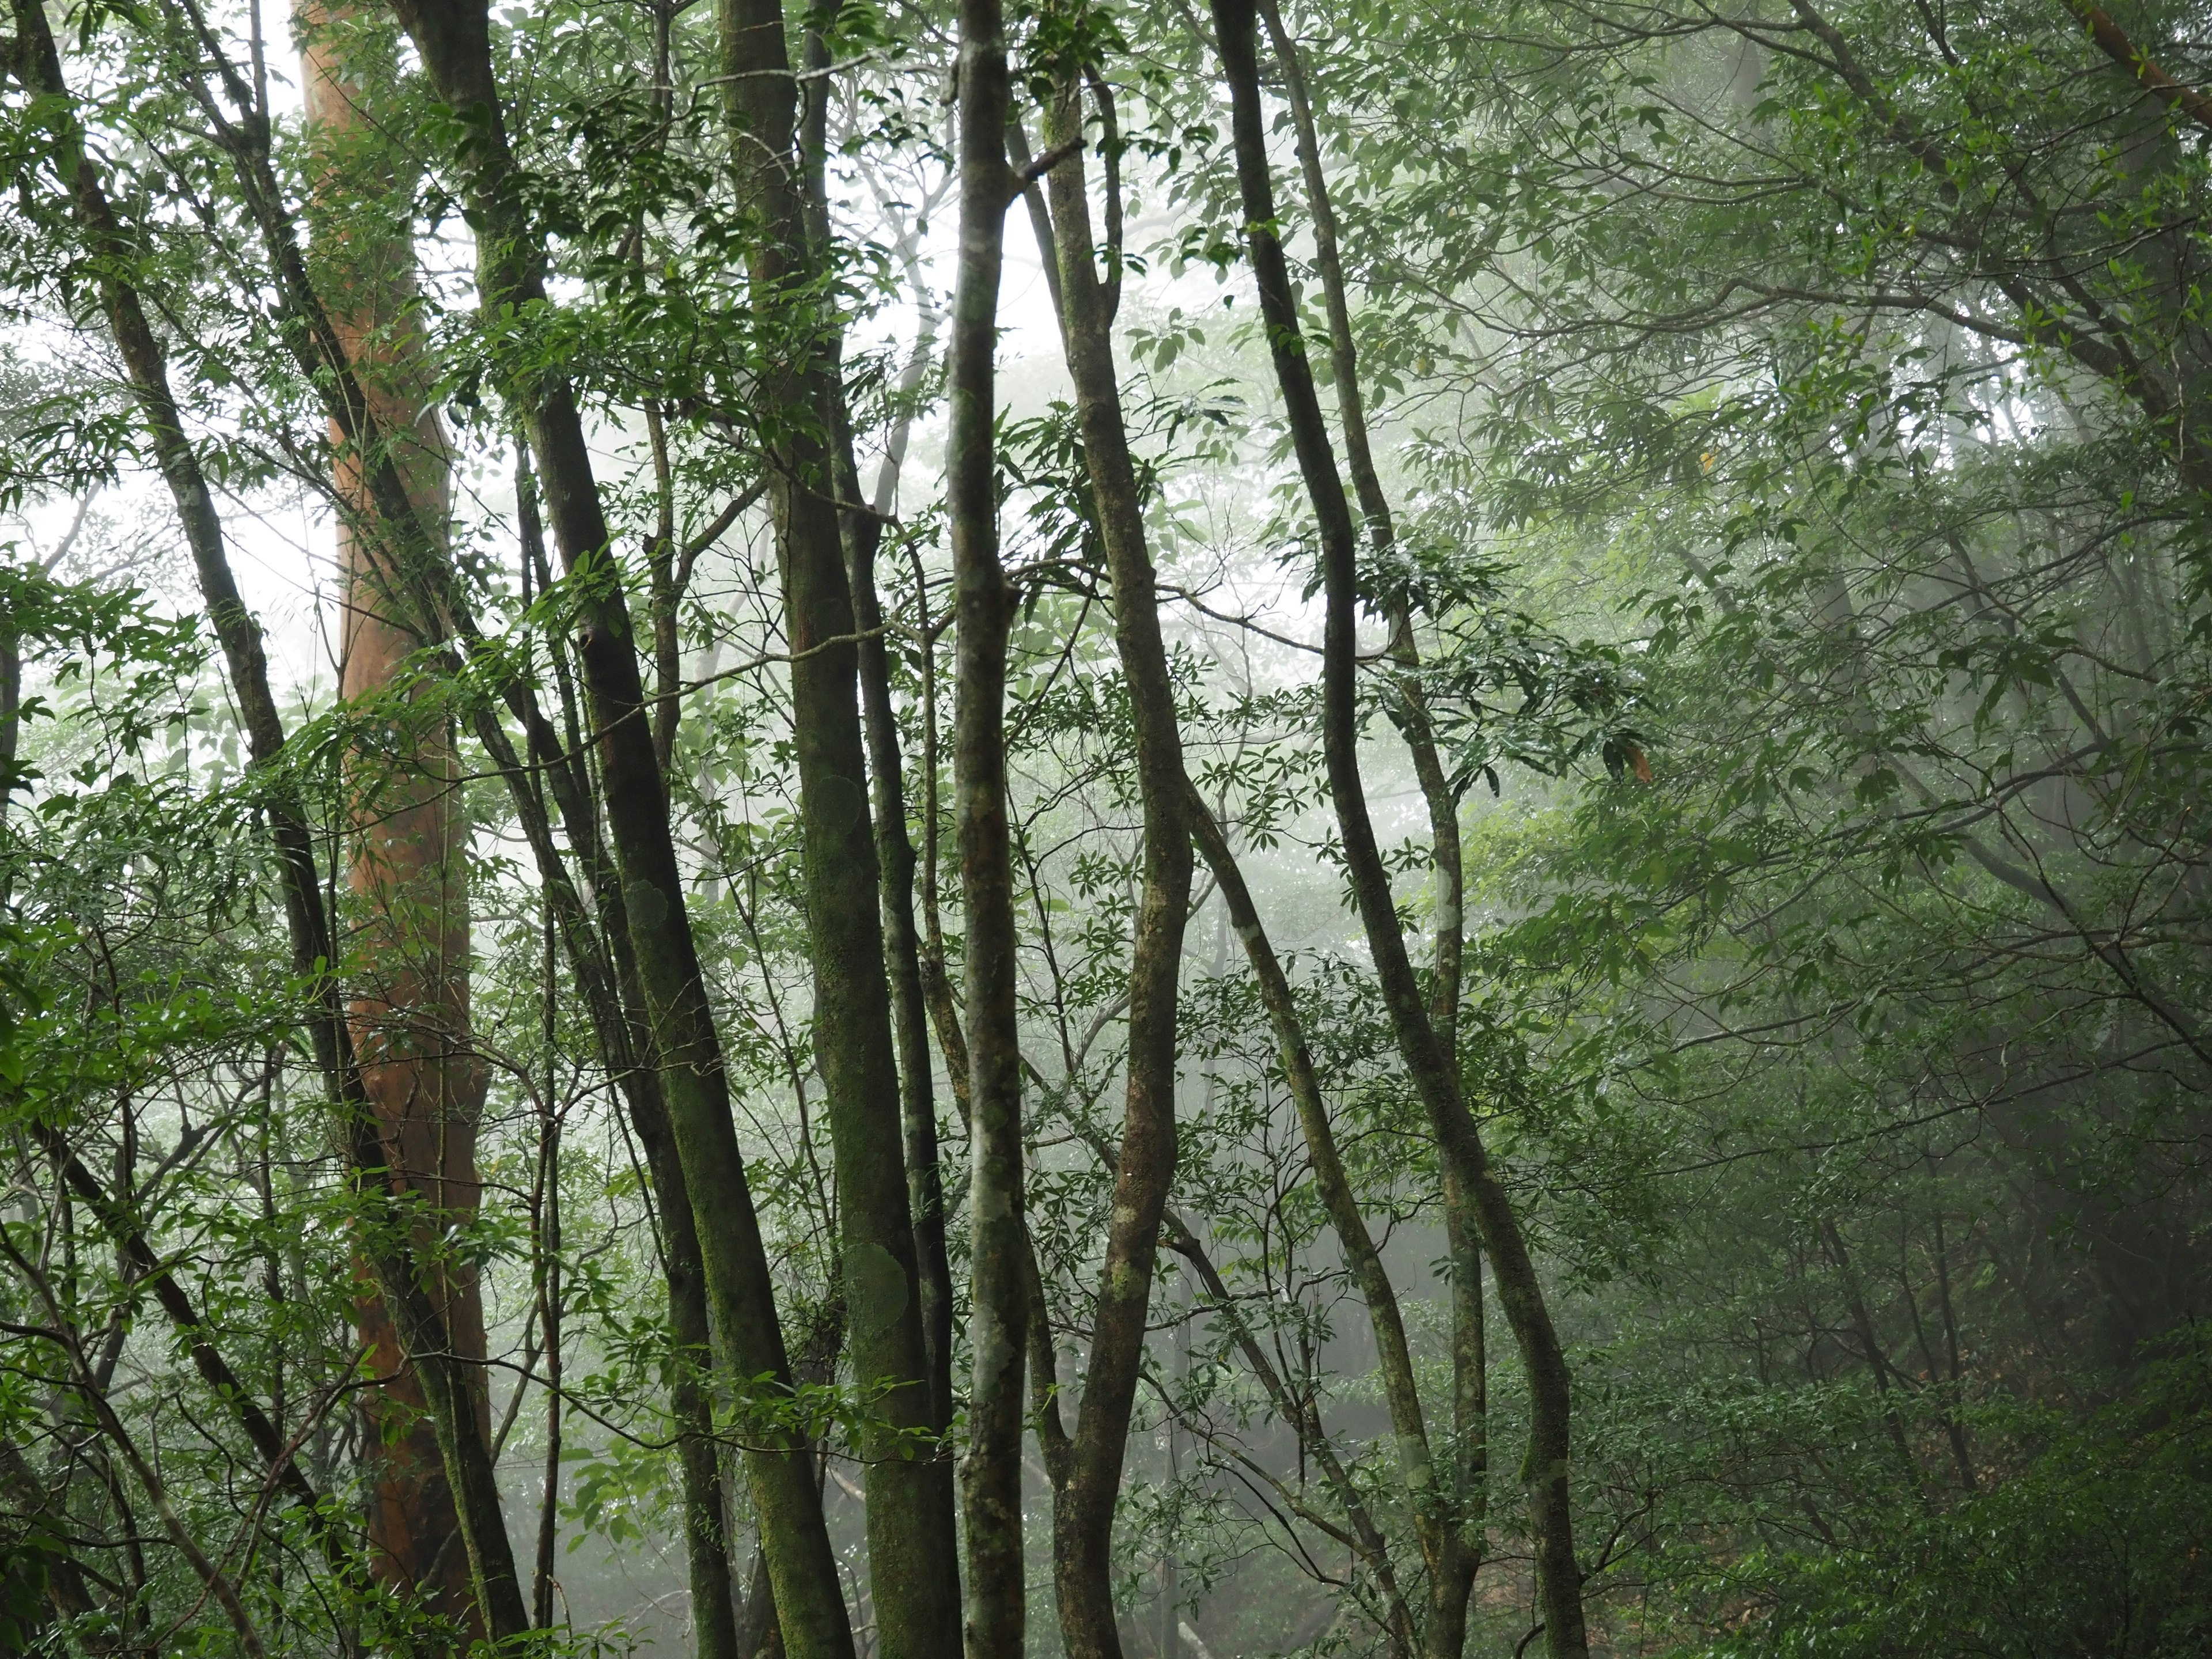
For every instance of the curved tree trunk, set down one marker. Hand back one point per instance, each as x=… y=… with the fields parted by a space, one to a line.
x=1469 y=1180
x=1084 y=1498
x=1453 y=1547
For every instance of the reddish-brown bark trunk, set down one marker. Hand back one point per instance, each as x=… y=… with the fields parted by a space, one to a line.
x=410 y=1012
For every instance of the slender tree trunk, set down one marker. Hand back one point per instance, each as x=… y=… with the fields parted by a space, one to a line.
x=1434 y=1073
x=912 y=1555
x=983 y=609
x=918 y=1105
x=411 y=1015
x=1954 y=1421
x=1304 y=1419
x=453 y=38
x=605 y=964
x=1401 y=1391
x=936 y=981
x=1877 y=1359
x=1455 y=1550
x=11 y=732
x=862 y=527
x=895 y=859
x=664 y=601
x=1084 y=1502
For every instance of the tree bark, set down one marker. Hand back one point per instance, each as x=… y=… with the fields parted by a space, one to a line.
x=911 y=1557
x=446 y=1381
x=896 y=860
x=1434 y=1073
x=983 y=612
x=453 y=36
x=409 y=1014
x=1084 y=1502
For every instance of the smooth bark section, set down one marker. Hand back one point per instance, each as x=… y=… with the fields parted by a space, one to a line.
x=418 y=573
x=11 y=703
x=444 y=1379
x=1433 y=1073
x=602 y=956
x=453 y=36
x=1084 y=1500
x=983 y=612
x=911 y=1557
x=410 y=1008
x=1343 y=354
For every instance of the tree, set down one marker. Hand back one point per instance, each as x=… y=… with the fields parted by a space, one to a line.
x=405 y=870
x=1589 y=812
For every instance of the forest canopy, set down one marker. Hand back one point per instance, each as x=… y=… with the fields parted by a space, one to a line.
x=868 y=830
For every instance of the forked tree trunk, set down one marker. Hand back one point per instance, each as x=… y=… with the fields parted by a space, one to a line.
x=895 y=854
x=1394 y=1354
x=912 y=1555
x=1471 y=1186
x=604 y=963
x=409 y=1012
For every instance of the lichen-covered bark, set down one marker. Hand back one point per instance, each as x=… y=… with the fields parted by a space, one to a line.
x=912 y=1559
x=983 y=608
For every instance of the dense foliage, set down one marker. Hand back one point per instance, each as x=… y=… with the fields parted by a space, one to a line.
x=1783 y=684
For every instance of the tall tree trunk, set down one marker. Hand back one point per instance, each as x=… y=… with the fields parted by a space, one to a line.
x=602 y=957
x=409 y=1015
x=606 y=967
x=912 y=1554
x=446 y=1383
x=1470 y=1184
x=983 y=612
x=895 y=855
x=1084 y=1502
x=453 y=36
x=1455 y=1549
